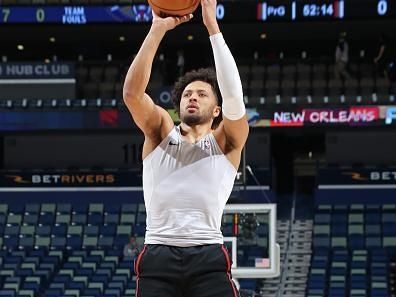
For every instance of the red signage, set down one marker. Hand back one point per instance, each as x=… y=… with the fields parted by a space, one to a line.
x=354 y=115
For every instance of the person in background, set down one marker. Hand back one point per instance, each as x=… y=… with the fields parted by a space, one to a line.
x=382 y=60
x=341 y=58
x=131 y=249
x=180 y=62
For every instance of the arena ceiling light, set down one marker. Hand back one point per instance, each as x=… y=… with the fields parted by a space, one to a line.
x=190 y=37
x=122 y=38
x=20 y=47
x=52 y=39
x=263 y=36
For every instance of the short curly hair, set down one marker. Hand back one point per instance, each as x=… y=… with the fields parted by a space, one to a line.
x=207 y=75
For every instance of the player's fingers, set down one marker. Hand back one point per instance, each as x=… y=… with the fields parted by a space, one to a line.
x=184 y=18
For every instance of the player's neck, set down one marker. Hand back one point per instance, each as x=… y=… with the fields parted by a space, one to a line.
x=195 y=133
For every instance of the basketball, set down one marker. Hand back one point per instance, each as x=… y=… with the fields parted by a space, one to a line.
x=165 y=8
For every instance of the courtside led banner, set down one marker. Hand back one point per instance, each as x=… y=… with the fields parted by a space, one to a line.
x=102 y=179
x=106 y=118
x=357 y=176
x=350 y=116
x=355 y=116
x=69 y=179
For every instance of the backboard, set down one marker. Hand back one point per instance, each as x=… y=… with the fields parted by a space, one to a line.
x=250 y=236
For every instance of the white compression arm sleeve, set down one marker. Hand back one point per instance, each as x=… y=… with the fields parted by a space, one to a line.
x=228 y=79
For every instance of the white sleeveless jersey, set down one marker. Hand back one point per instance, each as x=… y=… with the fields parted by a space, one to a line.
x=186 y=187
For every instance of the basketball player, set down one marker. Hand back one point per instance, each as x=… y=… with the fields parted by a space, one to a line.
x=188 y=170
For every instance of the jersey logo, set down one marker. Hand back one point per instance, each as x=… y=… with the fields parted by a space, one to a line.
x=173 y=143
x=207 y=144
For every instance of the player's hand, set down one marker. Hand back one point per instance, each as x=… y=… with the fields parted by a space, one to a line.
x=169 y=23
x=209 y=16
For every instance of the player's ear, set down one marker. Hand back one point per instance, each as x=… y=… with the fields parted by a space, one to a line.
x=216 y=111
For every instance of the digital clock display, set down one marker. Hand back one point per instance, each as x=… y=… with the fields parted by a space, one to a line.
x=314 y=10
x=304 y=10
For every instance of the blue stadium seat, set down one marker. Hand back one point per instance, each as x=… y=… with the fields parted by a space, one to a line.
x=3 y=219
x=112 y=208
x=129 y=208
x=373 y=229
x=30 y=219
x=11 y=241
x=76 y=285
x=140 y=230
x=92 y=292
x=113 y=292
x=322 y=241
x=64 y=208
x=74 y=242
x=80 y=208
x=58 y=242
x=95 y=219
x=389 y=228
x=26 y=242
x=338 y=228
x=59 y=231
x=85 y=271
x=373 y=218
x=108 y=230
x=32 y=208
x=7 y=293
x=31 y=286
x=16 y=208
x=43 y=230
x=47 y=219
x=53 y=292
x=11 y=230
x=100 y=278
x=79 y=219
x=356 y=241
x=112 y=218
x=373 y=242
x=340 y=218
x=322 y=218
x=121 y=240
x=105 y=242
x=91 y=230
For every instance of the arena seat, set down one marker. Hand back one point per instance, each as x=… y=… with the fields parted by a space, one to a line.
x=359 y=266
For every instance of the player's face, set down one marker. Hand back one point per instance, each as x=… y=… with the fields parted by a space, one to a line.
x=198 y=104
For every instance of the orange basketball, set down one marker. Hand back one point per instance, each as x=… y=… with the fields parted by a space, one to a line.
x=165 y=8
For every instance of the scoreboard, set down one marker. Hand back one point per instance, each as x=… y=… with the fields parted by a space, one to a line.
x=235 y=11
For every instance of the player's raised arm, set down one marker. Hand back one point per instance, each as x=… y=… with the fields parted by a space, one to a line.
x=148 y=116
x=235 y=125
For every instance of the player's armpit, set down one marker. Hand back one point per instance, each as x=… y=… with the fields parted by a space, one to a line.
x=236 y=132
x=233 y=132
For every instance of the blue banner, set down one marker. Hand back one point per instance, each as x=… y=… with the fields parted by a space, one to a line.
x=64 y=120
x=356 y=176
